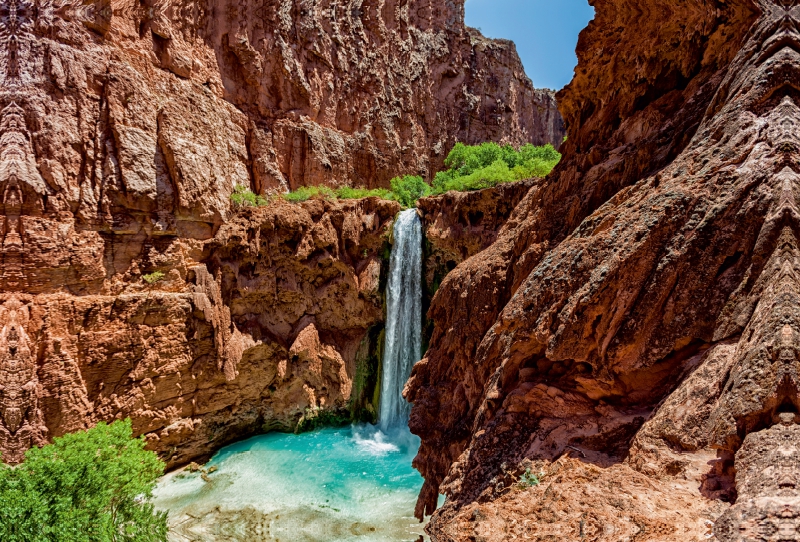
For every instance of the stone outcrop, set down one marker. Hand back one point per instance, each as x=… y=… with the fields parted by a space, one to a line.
x=274 y=334
x=129 y=284
x=459 y=225
x=638 y=311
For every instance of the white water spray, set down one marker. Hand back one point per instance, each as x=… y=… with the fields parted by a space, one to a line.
x=403 y=346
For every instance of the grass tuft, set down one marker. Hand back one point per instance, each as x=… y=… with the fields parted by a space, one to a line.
x=154 y=277
x=244 y=197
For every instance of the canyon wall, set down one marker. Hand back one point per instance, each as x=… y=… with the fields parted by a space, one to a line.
x=622 y=363
x=129 y=284
x=272 y=327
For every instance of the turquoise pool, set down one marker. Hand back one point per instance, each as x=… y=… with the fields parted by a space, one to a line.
x=349 y=484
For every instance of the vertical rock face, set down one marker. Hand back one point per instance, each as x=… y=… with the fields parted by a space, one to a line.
x=130 y=287
x=459 y=225
x=639 y=309
x=22 y=425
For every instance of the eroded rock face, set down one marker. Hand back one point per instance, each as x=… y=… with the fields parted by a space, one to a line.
x=22 y=425
x=639 y=309
x=130 y=286
x=459 y=225
x=275 y=331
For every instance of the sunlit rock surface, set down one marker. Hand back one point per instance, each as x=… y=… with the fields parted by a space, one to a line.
x=129 y=284
x=634 y=329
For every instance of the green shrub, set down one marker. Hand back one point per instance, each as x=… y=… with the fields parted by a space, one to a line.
x=92 y=486
x=153 y=277
x=358 y=193
x=469 y=167
x=482 y=166
x=405 y=190
x=408 y=189
x=305 y=193
x=244 y=197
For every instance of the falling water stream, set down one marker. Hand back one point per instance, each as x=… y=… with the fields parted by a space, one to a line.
x=332 y=485
x=403 y=319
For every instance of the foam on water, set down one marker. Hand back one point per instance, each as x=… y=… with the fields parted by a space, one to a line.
x=346 y=484
x=332 y=485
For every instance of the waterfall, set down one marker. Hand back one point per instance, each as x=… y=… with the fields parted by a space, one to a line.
x=403 y=346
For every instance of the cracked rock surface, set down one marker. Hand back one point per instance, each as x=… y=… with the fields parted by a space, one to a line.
x=129 y=284
x=634 y=331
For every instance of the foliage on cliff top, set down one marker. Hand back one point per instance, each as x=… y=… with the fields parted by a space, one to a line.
x=305 y=193
x=244 y=197
x=405 y=190
x=470 y=167
x=474 y=167
x=93 y=486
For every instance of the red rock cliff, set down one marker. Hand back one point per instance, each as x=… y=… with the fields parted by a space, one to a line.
x=630 y=340
x=130 y=287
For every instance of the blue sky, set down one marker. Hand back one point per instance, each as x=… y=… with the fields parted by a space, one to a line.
x=545 y=31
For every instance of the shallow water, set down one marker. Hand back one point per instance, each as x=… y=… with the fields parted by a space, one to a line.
x=350 y=484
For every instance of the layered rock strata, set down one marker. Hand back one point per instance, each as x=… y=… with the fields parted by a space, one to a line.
x=129 y=284
x=634 y=328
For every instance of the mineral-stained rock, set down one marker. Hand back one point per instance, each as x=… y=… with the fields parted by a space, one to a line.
x=639 y=310
x=197 y=360
x=22 y=425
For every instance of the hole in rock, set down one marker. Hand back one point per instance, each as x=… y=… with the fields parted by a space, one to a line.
x=720 y=482
x=475 y=218
x=729 y=262
x=784 y=402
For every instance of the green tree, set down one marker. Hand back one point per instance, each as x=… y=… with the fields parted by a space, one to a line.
x=92 y=486
x=473 y=167
x=408 y=189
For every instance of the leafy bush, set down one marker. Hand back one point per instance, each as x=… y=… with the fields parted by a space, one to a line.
x=244 y=197
x=154 y=277
x=305 y=193
x=470 y=167
x=358 y=193
x=408 y=189
x=483 y=166
x=93 y=486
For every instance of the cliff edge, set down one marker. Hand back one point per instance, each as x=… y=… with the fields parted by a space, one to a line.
x=622 y=363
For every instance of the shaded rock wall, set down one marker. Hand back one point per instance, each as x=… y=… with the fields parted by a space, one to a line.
x=638 y=310
x=459 y=225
